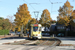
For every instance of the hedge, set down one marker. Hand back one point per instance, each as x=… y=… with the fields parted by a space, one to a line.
x=4 y=32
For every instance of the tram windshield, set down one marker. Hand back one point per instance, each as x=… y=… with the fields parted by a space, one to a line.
x=35 y=28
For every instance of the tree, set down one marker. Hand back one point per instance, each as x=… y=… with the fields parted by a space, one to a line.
x=73 y=14
x=64 y=21
x=45 y=18
x=66 y=10
x=11 y=19
x=22 y=16
x=72 y=17
x=33 y=21
x=1 y=18
x=4 y=24
x=53 y=21
x=19 y=29
x=65 y=13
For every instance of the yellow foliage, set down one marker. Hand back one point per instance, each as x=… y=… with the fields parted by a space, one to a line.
x=72 y=17
x=22 y=16
x=0 y=28
x=73 y=14
x=27 y=29
x=65 y=10
x=45 y=18
x=33 y=21
x=65 y=13
x=19 y=29
x=13 y=29
x=64 y=21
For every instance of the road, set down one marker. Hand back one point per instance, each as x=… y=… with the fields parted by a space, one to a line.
x=24 y=47
x=67 y=40
x=11 y=39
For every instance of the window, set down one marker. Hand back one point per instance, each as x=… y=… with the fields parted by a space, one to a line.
x=58 y=27
x=35 y=28
x=63 y=27
x=39 y=28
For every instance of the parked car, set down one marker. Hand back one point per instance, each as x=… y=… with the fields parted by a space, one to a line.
x=17 y=33
x=45 y=34
x=60 y=35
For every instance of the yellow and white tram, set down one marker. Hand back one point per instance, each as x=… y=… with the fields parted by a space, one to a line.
x=35 y=31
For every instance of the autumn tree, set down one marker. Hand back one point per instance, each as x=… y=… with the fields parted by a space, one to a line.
x=71 y=18
x=53 y=21
x=19 y=29
x=64 y=21
x=1 y=22
x=22 y=16
x=45 y=18
x=65 y=13
x=33 y=21
x=11 y=19
x=4 y=24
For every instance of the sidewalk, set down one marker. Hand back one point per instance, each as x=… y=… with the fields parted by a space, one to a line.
x=67 y=40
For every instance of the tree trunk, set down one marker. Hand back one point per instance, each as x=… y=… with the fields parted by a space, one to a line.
x=21 y=34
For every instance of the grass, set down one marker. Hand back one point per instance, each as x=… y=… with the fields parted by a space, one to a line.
x=4 y=32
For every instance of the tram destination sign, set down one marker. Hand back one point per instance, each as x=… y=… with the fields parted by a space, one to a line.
x=35 y=24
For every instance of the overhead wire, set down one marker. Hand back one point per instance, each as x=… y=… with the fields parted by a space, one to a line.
x=36 y=15
x=52 y=4
x=29 y=4
x=73 y=0
x=39 y=3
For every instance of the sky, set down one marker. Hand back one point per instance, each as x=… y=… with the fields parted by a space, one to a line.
x=9 y=7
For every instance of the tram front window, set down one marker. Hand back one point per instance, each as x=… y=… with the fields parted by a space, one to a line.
x=35 y=28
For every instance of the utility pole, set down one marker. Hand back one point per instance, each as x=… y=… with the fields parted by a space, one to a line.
x=36 y=13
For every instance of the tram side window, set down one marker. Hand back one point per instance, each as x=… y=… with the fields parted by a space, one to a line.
x=39 y=28
x=35 y=28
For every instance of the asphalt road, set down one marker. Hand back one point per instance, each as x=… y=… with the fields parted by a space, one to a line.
x=67 y=40
x=70 y=40
x=22 y=47
x=11 y=39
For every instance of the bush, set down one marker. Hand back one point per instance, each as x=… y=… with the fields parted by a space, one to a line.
x=4 y=32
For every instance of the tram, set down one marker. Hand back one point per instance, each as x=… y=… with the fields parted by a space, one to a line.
x=35 y=31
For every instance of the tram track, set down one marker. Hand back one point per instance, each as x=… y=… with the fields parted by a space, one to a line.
x=54 y=42
x=52 y=46
x=47 y=47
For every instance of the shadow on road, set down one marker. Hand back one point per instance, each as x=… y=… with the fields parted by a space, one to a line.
x=14 y=38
